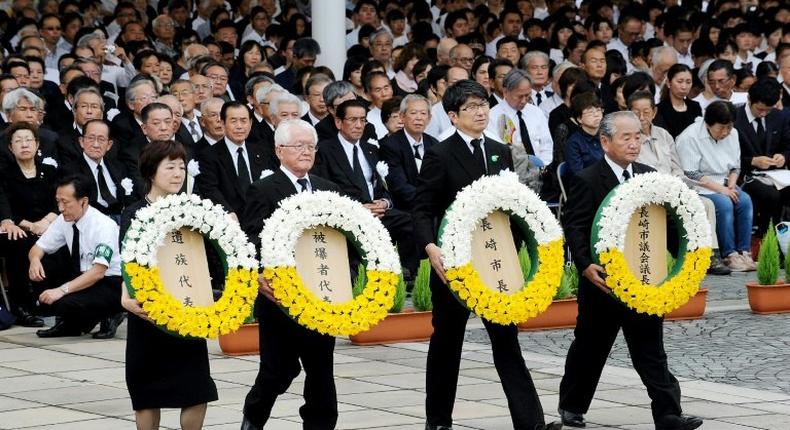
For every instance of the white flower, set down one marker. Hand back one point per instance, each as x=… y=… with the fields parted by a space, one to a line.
x=373 y=142
x=50 y=161
x=127 y=185
x=193 y=168
x=266 y=173
x=383 y=169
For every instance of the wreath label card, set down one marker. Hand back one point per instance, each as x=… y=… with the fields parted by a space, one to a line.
x=184 y=268
x=646 y=244
x=322 y=263
x=494 y=254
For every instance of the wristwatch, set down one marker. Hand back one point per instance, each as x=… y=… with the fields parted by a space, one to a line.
x=65 y=288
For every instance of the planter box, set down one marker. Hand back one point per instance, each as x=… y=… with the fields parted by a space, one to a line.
x=407 y=326
x=560 y=314
x=244 y=341
x=692 y=310
x=768 y=299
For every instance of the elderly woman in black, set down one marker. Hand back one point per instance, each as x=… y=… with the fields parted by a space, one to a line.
x=29 y=187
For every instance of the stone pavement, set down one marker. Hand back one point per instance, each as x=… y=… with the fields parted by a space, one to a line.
x=732 y=366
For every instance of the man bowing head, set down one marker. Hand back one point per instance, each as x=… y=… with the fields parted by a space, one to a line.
x=285 y=343
x=448 y=167
x=600 y=315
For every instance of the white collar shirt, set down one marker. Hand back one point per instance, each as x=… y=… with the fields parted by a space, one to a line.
x=107 y=178
x=233 y=149
x=293 y=178
x=367 y=169
x=618 y=171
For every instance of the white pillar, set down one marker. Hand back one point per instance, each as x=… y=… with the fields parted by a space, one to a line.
x=329 y=30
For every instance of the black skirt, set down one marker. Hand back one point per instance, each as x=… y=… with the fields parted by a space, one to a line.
x=166 y=371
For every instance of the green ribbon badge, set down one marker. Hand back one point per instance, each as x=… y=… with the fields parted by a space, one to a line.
x=494 y=158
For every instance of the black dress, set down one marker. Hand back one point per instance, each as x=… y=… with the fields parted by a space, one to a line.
x=673 y=121
x=163 y=370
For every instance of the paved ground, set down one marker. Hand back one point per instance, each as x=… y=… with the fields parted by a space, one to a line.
x=732 y=367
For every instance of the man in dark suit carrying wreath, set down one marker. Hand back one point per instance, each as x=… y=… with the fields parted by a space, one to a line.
x=600 y=315
x=446 y=169
x=283 y=342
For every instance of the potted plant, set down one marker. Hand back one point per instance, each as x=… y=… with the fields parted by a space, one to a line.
x=404 y=325
x=695 y=307
x=767 y=296
x=244 y=341
x=563 y=310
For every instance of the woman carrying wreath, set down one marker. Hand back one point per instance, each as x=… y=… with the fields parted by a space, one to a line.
x=163 y=370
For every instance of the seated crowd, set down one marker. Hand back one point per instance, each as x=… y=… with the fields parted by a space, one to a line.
x=84 y=91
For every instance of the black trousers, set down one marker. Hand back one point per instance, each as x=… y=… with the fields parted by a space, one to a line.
x=600 y=319
x=284 y=343
x=399 y=224
x=20 y=292
x=768 y=202
x=84 y=308
x=444 y=358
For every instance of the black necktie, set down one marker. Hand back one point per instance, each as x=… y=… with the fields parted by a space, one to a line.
x=477 y=152
x=359 y=175
x=540 y=99
x=303 y=183
x=104 y=190
x=417 y=155
x=626 y=175
x=761 y=135
x=522 y=128
x=244 y=172
x=75 y=249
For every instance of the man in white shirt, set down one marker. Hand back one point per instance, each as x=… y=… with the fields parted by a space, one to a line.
x=185 y=93
x=92 y=287
x=629 y=30
x=662 y=59
x=379 y=89
x=679 y=35
x=536 y=63
x=365 y=13
x=210 y=122
x=440 y=122
x=721 y=79
x=520 y=124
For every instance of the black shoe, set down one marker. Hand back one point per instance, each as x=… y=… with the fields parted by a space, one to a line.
x=717 y=267
x=26 y=319
x=553 y=426
x=430 y=427
x=60 y=329
x=678 y=422
x=572 y=419
x=247 y=425
x=109 y=326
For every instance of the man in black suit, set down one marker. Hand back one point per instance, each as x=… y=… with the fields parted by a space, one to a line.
x=334 y=94
x=284 y=343
x=764 y=137
x=351 y=163
x=88 y=105
x=233 y=163
x=600 y=315
x=314 y=94
x=126 y=128
x=447 y=168
x=405 y=149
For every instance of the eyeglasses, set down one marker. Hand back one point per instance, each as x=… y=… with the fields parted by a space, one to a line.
x=143 y=99
x=475 y=107
x=221 y=78
x=51 y=28
x=362 y=121
x=301 y=148
x=182 y=93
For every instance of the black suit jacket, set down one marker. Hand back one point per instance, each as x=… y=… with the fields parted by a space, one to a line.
x=48 y=147
x=446 y=169
x=403 y=174
x=117 y=173
x=332 y=163
x=58 y=116
x=69 y=147
x=585 y=196
x=777 y=138
x=218 y=181
x=264 y=196
x=262 y=134
x=785 y=98
x=128 y=141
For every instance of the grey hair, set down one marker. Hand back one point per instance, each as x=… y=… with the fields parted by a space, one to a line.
x=336 y=89
x=412 y=98
x=255 y=80
x=132 y=89
x=533 y=54
x=11 y=100
x=162 y=99
x=317 y=79
x=283 y=99
x=210 y=101
x=607 y=124
x=159 y=19
x=89 y=90
x=85 y=41
x=377 y=34
x=661 y=51
x=559 y=69
x=515 y=77
x=284 y=132
x=264 y=92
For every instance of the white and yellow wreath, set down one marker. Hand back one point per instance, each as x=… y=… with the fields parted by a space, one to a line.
x=278 y=241
x=608 y=241
x=545 y=245
x=147 y=233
